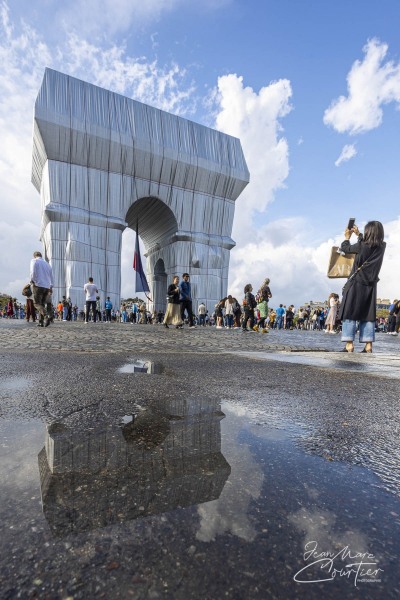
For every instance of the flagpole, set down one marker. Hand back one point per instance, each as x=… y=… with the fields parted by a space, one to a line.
x=141 y=281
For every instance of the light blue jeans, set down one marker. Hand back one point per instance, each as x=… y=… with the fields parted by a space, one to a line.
x=367 y=331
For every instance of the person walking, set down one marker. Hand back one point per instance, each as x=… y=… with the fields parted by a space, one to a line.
x=65 y=308
x=280 y=311
x=249 y=304
x=202 y=311
x=108 y=306
x=90 y=291
x=391 y=330
x=237 y=312
x=10 y=308
x=359 y=293
x=98 y=309
x=219 y=315
x=42 y=281
x=229 y=316
x=331 y=318
x=263 y=310
x=30 y=310
x=290 y=317
x=185 y=297
x=173 y=312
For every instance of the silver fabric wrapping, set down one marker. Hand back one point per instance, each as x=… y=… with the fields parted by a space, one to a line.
x=103 y=162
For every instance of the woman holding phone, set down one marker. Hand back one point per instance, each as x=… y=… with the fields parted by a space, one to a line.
x=359 y=293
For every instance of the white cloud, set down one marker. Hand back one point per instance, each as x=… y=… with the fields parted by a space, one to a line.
x=287 y=253
x=24 y=56
x=98 y=18
x=229 y=513
x=348 y=151
x=388 y=286
x=255 y=120
x=371 y=84
x=162 y=86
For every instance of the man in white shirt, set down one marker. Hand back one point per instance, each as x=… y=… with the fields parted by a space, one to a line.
x=202 y=311
x=90 y=291
x=41 y=277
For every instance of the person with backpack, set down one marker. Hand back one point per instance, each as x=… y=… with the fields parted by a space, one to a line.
x=237 y=313
x=264 y=293
x=262 y=297
x=249 y=304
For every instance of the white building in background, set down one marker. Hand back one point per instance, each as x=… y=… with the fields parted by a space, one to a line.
x=103 y=162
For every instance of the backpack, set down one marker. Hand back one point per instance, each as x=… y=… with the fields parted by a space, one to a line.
x=262 y=295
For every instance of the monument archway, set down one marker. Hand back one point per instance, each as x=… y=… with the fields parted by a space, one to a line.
x=103 y=162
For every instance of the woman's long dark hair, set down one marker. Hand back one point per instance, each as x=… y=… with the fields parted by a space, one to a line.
x=374 y=234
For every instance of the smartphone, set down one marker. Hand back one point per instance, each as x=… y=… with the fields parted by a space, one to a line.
x=351 y=223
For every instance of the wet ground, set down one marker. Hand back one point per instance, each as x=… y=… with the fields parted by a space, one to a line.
x=144 y=463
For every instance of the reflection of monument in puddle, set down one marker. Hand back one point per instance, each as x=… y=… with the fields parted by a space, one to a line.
x=166 y=457
x=142 y=366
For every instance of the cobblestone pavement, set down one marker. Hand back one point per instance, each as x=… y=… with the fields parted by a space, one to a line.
x=119 y=337
x=313 y=348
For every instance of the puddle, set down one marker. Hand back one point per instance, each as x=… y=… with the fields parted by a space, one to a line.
x=166 y=456
x=184 y=495
x=14 y=384
x=142 y=366
x=376 y=366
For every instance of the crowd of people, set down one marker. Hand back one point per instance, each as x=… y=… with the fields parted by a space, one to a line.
x=252 y=313
x=228 y=314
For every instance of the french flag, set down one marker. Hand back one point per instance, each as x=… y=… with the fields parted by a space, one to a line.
x=141 y=281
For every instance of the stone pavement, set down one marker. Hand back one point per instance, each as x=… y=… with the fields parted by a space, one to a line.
x=313 y=348
x=118 y=337
x=202 y=476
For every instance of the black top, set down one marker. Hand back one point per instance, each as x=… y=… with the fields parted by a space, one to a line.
x=249 y=302
x=359 y=293
x=173 y=294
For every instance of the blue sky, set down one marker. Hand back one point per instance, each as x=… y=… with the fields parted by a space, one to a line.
x=269 y=72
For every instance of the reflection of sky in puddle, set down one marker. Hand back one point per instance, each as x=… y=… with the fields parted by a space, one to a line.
x=14 y=384
x=329 y=361
x=275 y=489
x=142 y=366
x=274 y=501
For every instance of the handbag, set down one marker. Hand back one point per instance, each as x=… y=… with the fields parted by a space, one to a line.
x=27 y=290
x=340 y=264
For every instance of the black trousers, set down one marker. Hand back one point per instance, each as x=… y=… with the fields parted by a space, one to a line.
x=392 y=323
x=187 y=305
x=248 y=314
x=90 y=304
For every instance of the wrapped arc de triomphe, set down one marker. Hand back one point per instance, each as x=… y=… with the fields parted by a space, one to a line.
x=103 y=162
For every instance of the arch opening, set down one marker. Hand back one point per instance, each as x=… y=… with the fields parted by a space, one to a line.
x=154 y=218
